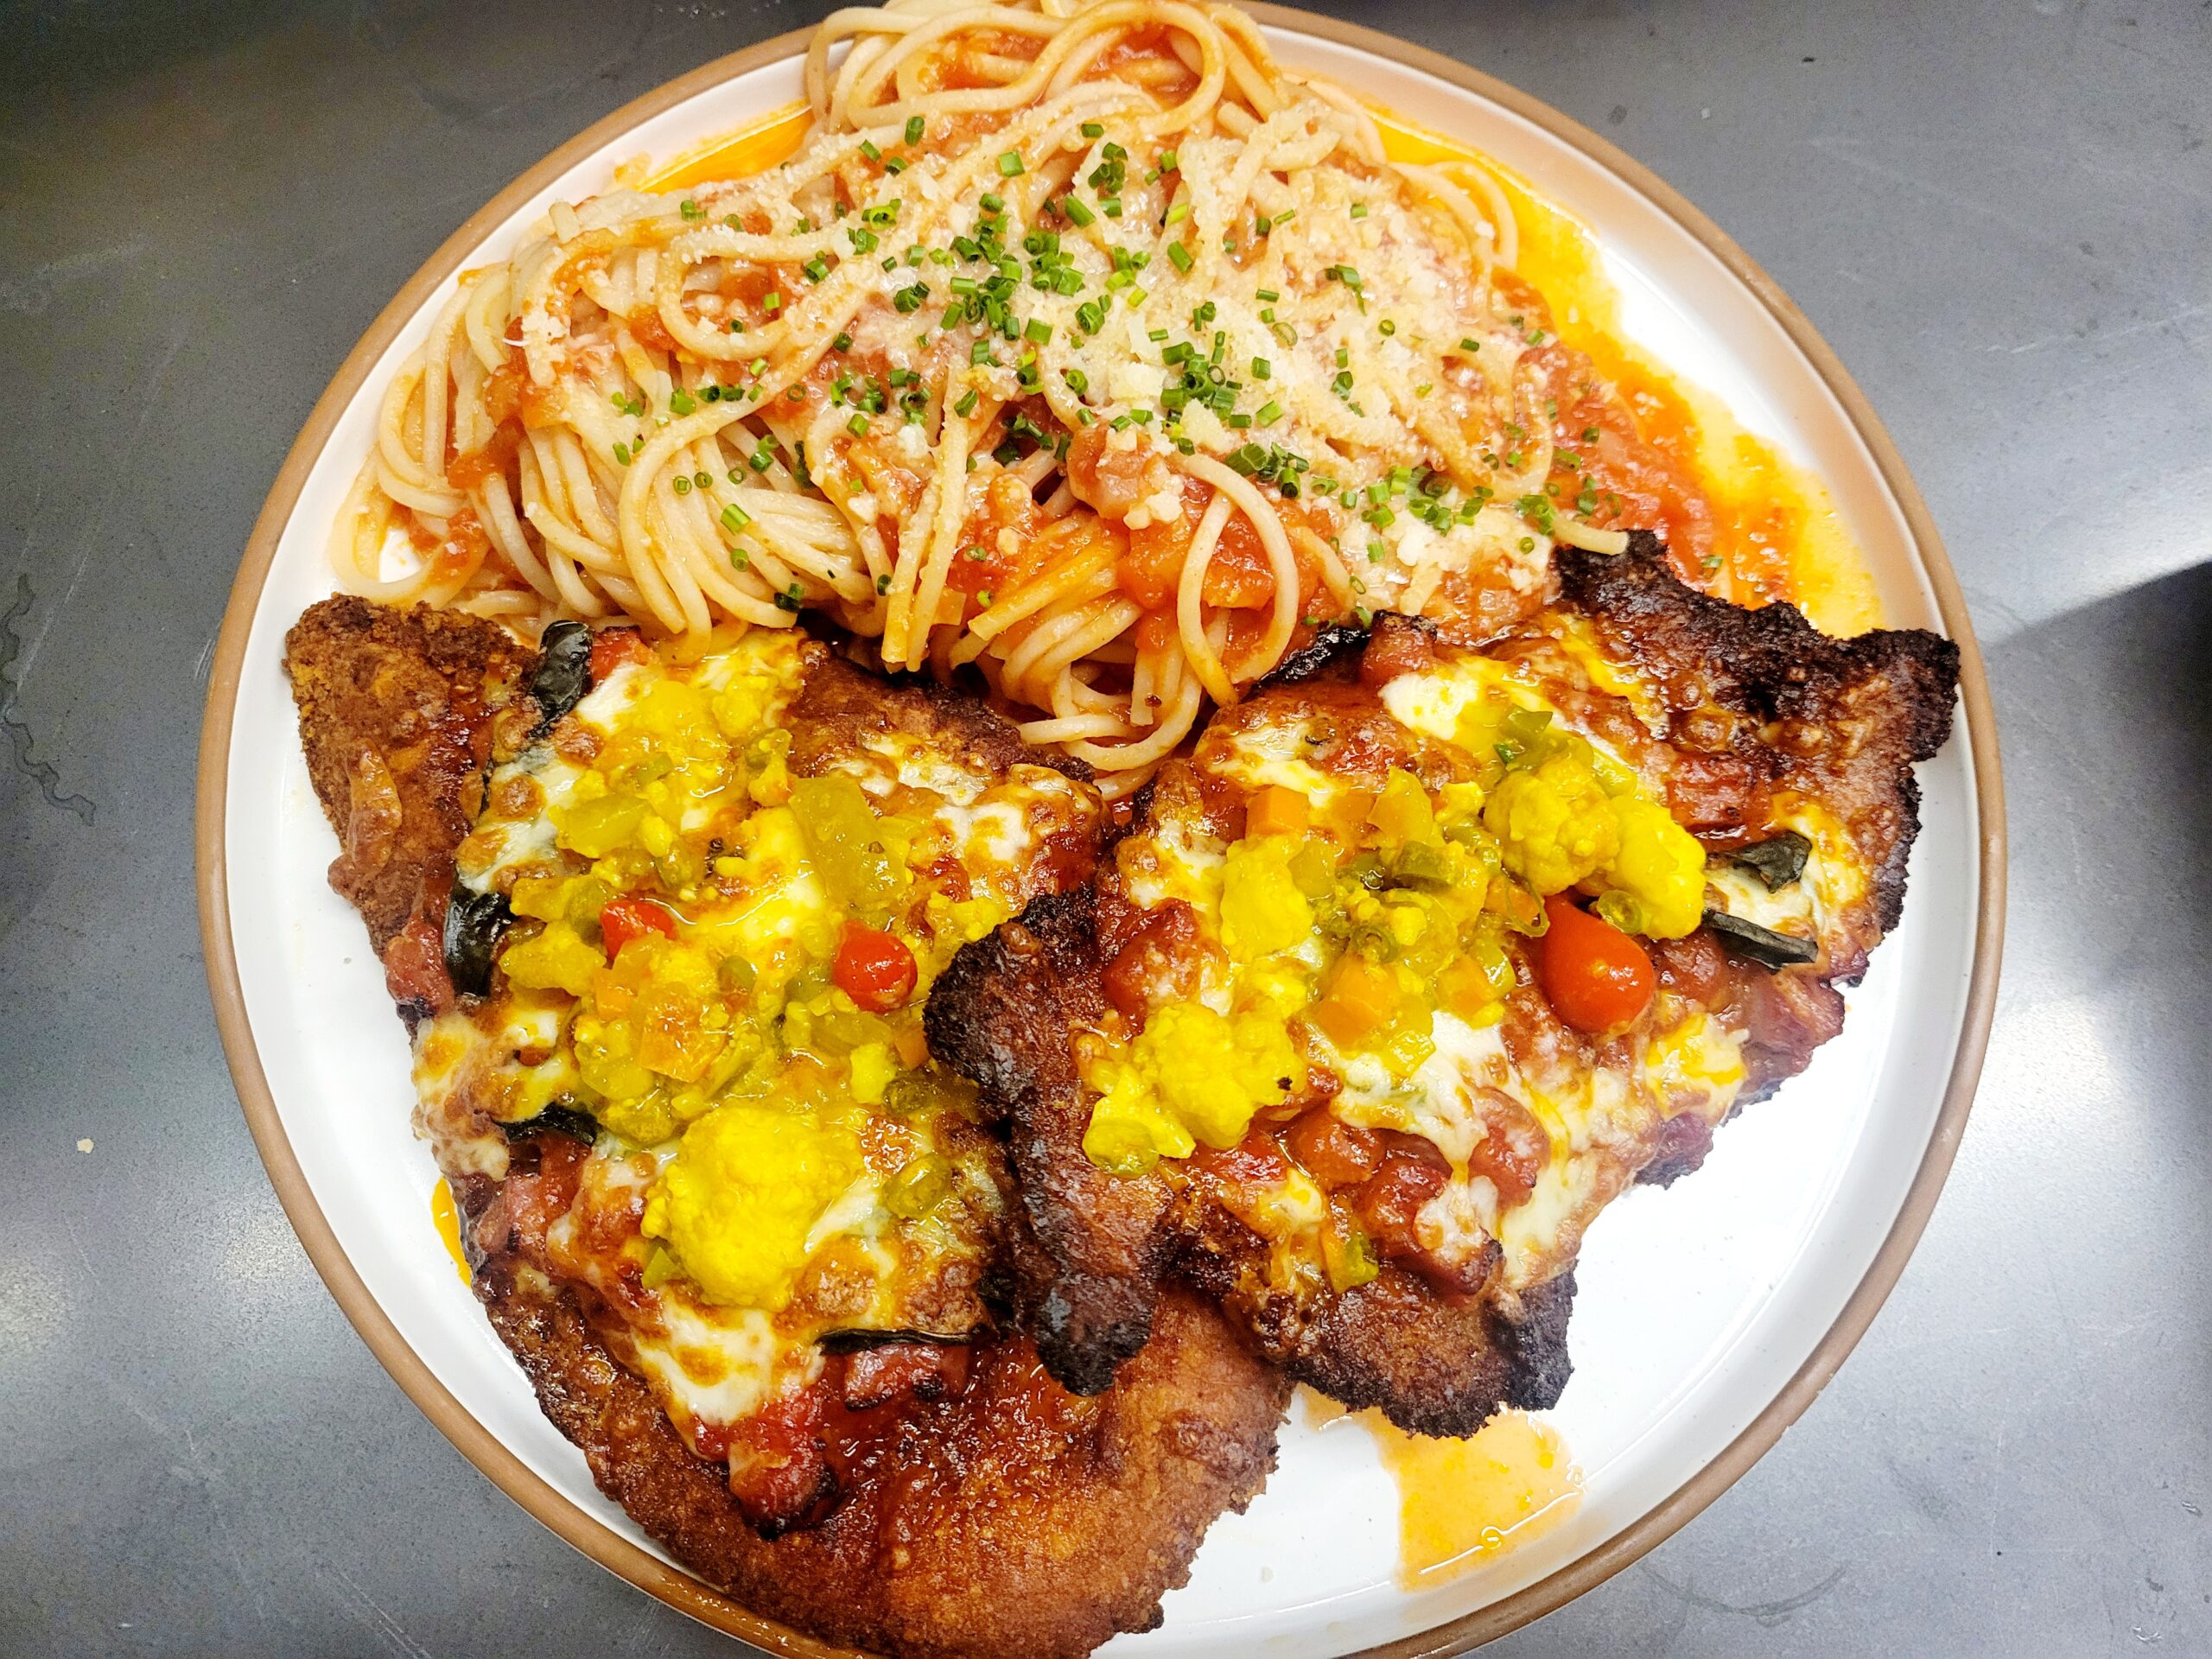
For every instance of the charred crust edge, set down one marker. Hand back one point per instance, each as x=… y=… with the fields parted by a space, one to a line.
x=1771 y=663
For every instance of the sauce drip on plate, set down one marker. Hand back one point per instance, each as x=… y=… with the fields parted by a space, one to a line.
x=1464 y=1502
x=446 y=1217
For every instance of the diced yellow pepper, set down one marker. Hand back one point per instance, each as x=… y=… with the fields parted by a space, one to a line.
x=597 y=828
x=1403 y=813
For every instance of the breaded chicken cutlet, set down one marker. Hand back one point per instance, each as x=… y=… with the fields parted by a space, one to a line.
x=1423 y=955
x=660 y=936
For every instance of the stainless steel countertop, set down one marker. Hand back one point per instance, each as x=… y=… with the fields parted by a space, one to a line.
x=2001 y=216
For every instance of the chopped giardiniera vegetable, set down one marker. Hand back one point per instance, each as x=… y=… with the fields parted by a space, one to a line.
x=1420 y=864
x=844 y=842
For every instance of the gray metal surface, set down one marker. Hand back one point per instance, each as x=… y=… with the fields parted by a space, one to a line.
x=2002 y=219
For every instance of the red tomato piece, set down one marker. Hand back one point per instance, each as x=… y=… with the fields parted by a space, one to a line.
x=874 y=968
x=612 y=647
x=1335 y=1153
x=621 y=920
x=1599 y=979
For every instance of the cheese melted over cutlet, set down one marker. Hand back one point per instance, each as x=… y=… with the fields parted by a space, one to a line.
x=773 y=1161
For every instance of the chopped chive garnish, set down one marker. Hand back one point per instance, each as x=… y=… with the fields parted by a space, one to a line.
x=1010 y=164
x=913 y=129
x=1078 y=215
x=1179 y=257
x=869 y=150
x=966 y=406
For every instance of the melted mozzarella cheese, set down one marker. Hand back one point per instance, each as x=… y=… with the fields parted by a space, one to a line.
x=1178 y=859
x=1275 y=752
x=859 y=1262
x=716 y=1365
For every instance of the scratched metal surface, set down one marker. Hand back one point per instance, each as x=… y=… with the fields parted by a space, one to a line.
x=1999 y=216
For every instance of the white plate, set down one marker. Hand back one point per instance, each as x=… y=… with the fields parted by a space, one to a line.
x=1708 y=1315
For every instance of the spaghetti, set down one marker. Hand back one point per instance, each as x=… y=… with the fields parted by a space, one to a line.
x=1082 y=343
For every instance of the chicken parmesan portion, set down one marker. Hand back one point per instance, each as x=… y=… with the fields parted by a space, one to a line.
x=680 y=1071
x=1422 y=956
x=743 y=1242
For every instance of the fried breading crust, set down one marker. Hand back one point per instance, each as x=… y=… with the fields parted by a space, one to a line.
x=1842 y=720
x=1028 y=1522
x=1092 y=1246
x=396 y=711
x=842 y=701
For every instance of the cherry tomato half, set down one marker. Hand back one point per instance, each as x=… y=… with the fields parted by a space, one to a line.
x=1599 y=979
x=621 y=920
x=874 y=968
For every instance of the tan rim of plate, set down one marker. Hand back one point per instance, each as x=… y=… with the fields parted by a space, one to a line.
x=679 y=1589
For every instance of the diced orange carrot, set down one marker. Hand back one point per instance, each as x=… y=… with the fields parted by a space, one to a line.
x=1360 y=1000
x=1347 y=816
x=1466 y=989
x=1275 y=810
